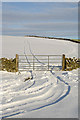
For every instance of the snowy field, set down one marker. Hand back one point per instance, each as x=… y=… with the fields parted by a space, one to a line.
x=50 y=94
x=39 y=46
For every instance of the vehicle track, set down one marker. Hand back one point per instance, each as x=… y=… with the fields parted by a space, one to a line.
x=41 y=93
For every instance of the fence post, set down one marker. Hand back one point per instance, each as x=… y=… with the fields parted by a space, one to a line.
x=16 y=62
x=63 y=62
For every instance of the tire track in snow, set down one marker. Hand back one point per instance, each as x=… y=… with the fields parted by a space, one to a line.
x=23 y=105
x=59 y=99
x=54 y=98
x=58 y=77
x=29 y=87
x=34 y=55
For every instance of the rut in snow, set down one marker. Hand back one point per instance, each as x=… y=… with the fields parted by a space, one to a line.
x=43 y=91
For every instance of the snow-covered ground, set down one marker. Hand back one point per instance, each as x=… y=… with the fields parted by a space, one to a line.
x=39 y=46
x=50 y=94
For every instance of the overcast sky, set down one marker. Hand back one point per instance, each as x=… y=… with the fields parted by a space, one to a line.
x=57 y=19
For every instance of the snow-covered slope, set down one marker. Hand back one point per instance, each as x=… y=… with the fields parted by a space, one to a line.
x=40 y=46
x=47 y=95
x=51 y=94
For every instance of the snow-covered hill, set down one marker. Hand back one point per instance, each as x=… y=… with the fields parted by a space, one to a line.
x=12 y=45
x=51 y=94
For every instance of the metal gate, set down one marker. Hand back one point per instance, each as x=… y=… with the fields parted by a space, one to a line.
x=39 y=62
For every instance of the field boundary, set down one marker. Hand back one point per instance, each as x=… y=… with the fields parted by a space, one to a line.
x=71 y=40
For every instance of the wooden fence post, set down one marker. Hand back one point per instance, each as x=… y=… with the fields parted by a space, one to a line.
x=16 y=62
x=63 y=62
